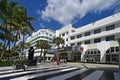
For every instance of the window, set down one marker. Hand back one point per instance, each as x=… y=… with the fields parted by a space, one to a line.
x=72 y=44
x=63 y=34
x=111 y=27
x=116 y=49
x=66 y=39
x=87 y=42
x=109 y=38
x=87 y=33
x=97 y=40
x=112 y=49
x=79 y=43
x=73 y=37
x=97 y=31
x=73 y=31
x=50 y=34
x=79 y=36
x=66 y=33
x=46 y=33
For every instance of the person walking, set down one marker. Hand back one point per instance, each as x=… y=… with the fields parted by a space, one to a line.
x=57 y=62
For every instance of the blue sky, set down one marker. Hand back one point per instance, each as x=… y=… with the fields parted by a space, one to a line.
x=55 y=14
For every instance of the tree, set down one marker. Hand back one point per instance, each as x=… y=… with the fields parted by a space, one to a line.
x=14 y=23
x=42 y=44
x=58 y=41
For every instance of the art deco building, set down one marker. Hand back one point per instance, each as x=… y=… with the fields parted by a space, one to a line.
x=42 y=34
x=94 y=42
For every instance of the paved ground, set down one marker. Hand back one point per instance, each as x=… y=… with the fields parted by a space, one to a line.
x=69 y=71
x=90 y=65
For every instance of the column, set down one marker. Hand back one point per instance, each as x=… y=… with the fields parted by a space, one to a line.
x=83 y=57
x=102 y=57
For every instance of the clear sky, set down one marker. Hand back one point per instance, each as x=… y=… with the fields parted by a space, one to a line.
x=55 y=14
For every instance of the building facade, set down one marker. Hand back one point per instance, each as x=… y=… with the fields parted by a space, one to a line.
x=42 y=34
x=95 y=41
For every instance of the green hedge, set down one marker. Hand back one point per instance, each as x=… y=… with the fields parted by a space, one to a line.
x=6 y=63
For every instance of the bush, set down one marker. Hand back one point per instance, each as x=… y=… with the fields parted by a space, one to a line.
x=6 y=63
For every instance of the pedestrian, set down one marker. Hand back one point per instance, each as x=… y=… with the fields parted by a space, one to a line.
x=57 y=62
x=65 y=60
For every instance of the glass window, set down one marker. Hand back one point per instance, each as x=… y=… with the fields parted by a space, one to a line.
x=116 y=49
x=72 y=37
x=63 y=34
x=72 y=44
x=66 y=39
x=46 y=33
x=109 y=38
x=87 y=33
x=87 y=42
x=78 y=43
x=79 y=36
x=111 y=27
x=66 y=33
x=97 y=40
x=112 y=49
x=73 y=31
x=97 y=31
x=50 y=34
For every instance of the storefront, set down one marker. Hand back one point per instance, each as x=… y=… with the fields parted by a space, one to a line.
x=76 y=56
x=112 y=55
x=92 y=55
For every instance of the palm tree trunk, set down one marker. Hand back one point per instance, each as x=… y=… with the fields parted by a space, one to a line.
x=41 y=53
x=44 y=53
x=23 y=43
x=2 y=52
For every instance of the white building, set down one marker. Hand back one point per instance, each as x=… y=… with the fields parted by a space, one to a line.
x=94 y=42
x=65 y=33
x=42 y=34
x=96 y=39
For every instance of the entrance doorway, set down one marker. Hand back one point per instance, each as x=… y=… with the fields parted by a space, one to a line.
x=92 y=55
x=77 y=56
x=112 y=55
x=63 y=56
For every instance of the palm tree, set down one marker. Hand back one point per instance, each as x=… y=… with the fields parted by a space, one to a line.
x=58 y=41
x=7 y=15
x=42 y=44
x=14 y=23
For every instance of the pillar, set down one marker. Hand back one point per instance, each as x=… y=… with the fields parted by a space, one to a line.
x=83 y=57
x=102 y=57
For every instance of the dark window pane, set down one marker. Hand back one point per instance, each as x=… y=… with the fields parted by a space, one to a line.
x=97 y=31
x=87 y=42
x=110 y=27
x=79 y=43
x=116 y=49
x=97 y=40
x=109 y=38
x=87 y=33
x=112 y=49
x=79 y=36
x=73 y=37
